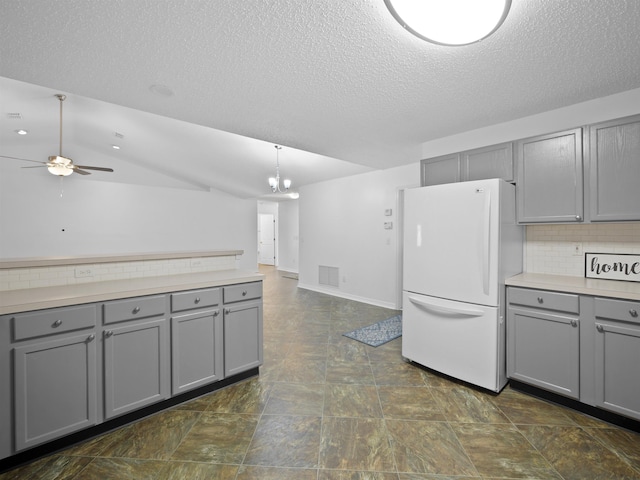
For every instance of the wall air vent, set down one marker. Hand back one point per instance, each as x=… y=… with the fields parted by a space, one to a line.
x=14 y=116
x=328 y=276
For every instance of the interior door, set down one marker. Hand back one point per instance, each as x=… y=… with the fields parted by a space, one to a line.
x=266 y=239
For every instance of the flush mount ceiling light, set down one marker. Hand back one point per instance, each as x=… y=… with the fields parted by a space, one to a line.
x=274 y=182
x=22 y=132
x=450 y=22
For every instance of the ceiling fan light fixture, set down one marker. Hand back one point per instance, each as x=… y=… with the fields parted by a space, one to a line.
x=450 y=22
x=61 y=166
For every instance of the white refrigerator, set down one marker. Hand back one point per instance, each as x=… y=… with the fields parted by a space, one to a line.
x=460 y=243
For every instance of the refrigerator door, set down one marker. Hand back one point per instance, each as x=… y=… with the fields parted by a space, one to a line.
x=458 y=339
x=451 y=241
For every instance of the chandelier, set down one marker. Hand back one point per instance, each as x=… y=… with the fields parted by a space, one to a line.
x=274 y=182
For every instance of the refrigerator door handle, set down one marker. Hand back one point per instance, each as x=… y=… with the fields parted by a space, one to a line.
x=486 y=247
x=468 y=312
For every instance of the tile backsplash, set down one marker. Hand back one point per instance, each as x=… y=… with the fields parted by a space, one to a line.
x=19 y=278
x=551 y=248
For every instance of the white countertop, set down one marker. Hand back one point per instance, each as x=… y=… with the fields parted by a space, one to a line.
x=580 y=285
x=15 y=301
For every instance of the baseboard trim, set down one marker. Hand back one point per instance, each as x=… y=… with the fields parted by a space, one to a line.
x=337 y=293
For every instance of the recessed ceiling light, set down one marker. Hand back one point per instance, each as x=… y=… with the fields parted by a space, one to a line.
x=22 y=132
x=161 y=90
x=115 y=147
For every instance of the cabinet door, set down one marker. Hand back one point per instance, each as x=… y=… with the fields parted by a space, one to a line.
x=196 y=350
x=242 y=337
x=495 y=161
x=549 y=171
x=617 y=372
x=55 y=388
x=439 y=170
x=136 y=366
x=544 y=350
x=614 y=170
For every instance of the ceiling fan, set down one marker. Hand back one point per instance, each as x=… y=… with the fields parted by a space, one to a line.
x=58 y=164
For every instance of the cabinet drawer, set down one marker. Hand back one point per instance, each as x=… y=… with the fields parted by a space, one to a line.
x=195 y=299
x=243 y=291
x=561 y=302
x=58 y=320
x=621 y=310
x=139 y=307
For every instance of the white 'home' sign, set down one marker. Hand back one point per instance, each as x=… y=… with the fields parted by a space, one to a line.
x=612 y=266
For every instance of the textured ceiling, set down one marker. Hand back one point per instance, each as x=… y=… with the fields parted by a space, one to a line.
x=339 y=83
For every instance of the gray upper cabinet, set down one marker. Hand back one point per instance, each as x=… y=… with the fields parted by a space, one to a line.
x=549 y=178
x=614 y=170
x=495 y=161
x=439 y=170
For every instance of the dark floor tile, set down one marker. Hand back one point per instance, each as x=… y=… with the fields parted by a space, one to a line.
x=355 y=372
x=285 y=441
x=217 y=438
x=622 y=442
x=121 y=469
x=428 y=447
x=355 y=444
x=196 y=471
x=54 y=467
x=345 y=400
x=303 y=370
x=249 y=396
x=410 y=403
x=575 y=454
x=467 y=405
x=397 y=373
x=521 y=408
x=355 y=475
x=155 y=437
x=296 y=399
x=275 y=473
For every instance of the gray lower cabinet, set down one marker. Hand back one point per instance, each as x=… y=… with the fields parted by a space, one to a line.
x=543 y=346
x=54 y=373
x=197 y=345
x=617 y=358
x=549 y=178
x=242 y=327
x=614 y=170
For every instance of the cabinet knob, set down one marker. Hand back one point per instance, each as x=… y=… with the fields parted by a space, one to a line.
x=578 y=218
x=540 y=300
x=244 y=293
x=57 y=323
x=91 y=337
x=135 y=310
x=197 y=300
x=216 y=313
x=633 y=313
x=108 y=333
x=574 y=323
x=227 y=311
x=599 y=328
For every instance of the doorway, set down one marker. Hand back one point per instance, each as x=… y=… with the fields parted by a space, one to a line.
x=266 y=239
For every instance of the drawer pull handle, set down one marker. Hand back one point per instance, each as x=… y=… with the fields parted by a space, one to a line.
x=244 y=293
x=574 y=323
x=599 y=328
x=197 y=300
x=108 y=333
x=633 y=313
x=57 y=323
x=135 y=310
x=91 y=337
x=540 y=300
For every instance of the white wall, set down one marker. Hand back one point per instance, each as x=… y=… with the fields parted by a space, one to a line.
x=288 y=236
x=342 y=225
x=97 y=217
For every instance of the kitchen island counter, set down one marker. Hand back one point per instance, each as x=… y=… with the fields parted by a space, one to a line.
x=29 y=299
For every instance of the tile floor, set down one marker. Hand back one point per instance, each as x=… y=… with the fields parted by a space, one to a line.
x=329 y=408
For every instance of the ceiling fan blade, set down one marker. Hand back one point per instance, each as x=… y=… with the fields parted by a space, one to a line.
x=102 y=169
x=23 y=159
x=81 y=172
x=36 y=166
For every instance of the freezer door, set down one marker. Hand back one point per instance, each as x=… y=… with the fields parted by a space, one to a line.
x=464 y=341
x=451 y=241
